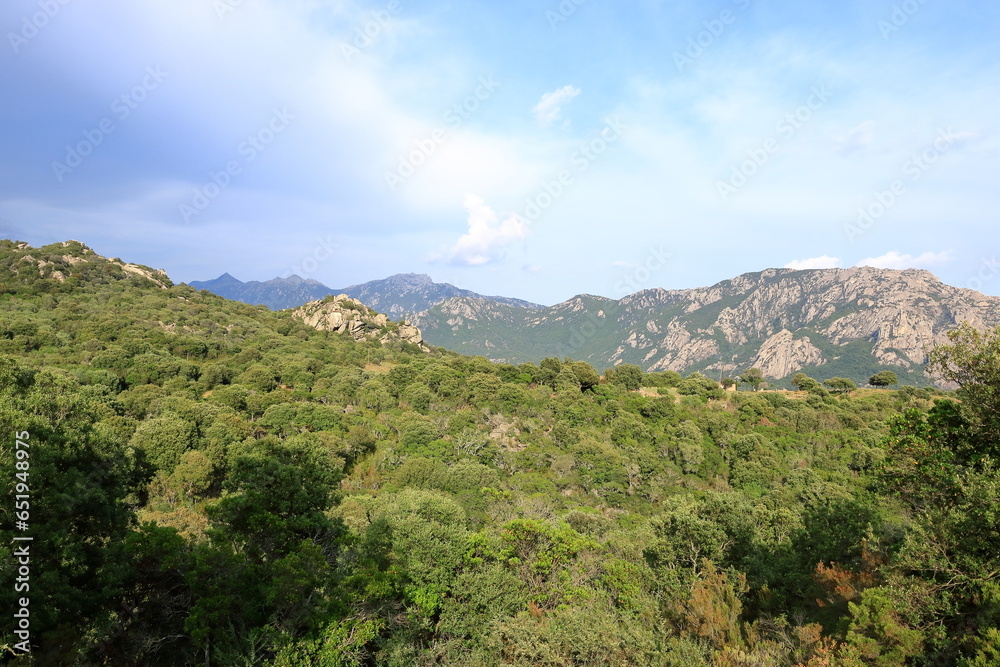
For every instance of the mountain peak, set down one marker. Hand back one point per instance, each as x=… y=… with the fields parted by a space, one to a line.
x=410 y=279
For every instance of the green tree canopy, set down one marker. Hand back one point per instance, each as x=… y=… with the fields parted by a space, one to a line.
x=803 y=382
x=753 y=377
x=883 y=379
x=844 y=385
x=972 y=360
x=628 y=376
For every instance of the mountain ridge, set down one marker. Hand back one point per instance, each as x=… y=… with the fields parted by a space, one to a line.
x=781 y=320
x=401 y=295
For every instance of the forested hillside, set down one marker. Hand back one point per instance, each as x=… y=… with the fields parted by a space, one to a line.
x=213 y=483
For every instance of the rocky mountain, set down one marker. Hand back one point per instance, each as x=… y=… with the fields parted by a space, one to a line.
x=406 y=294
x=826 y=322
x=400 y=296
x=350 y=317
x=276 y=294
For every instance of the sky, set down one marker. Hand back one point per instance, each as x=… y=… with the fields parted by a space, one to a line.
x=536 y=150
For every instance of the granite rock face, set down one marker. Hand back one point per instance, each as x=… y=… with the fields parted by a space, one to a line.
x=344 y=315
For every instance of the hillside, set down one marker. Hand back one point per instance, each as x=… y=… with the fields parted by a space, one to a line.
x=400 y=296
x=208 y=482
x=828 y=322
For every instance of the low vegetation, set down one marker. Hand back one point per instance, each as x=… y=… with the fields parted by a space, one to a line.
x=214 y=483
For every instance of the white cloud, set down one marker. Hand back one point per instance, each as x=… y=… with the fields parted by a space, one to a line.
x=486 y=237
x=895 y=260
x=824 y=262
x=550 y=106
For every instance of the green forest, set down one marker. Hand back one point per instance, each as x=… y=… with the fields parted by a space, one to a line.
x=213 y=483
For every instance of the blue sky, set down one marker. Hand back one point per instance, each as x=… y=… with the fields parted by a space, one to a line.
x=531 y=149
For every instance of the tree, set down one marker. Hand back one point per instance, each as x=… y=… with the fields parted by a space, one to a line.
x=972 y=360
x=803 y=382
x=193 y=475
x=271 y=547
x=697 y=384
x=164 y=439
x=82 y=490
x=883 y=379
x=259 y=377
x=844 y=385
x=752 y=376
x=628 y=376
x=550 y=367
x=585 y=375
x=728 y=382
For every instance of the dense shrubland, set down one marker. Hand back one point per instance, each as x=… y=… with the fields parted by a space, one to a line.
x=215 y=483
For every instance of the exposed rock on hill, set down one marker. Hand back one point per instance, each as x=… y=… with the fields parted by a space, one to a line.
x=781 y=355
x=74 y=261
x=348 y=316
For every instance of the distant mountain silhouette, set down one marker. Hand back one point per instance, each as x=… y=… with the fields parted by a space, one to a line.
x=276 y=294
x=400 y=296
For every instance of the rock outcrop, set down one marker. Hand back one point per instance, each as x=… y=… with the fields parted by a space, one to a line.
x=64 y=259
x=350 y=317
x=782 y=355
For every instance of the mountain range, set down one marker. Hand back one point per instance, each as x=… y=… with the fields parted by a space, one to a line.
x=825 y=322
x=400 y=296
